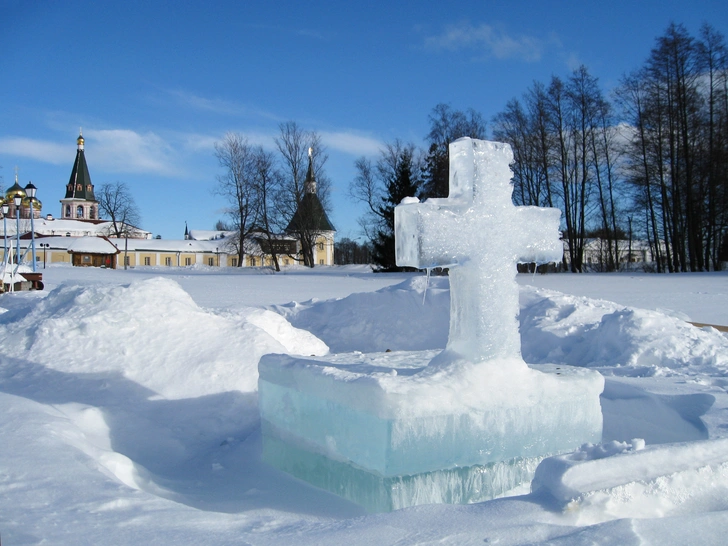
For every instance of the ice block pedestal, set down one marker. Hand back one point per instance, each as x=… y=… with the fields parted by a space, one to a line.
x=467 y=424
x=385 y=433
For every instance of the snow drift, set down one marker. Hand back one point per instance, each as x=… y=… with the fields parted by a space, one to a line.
x=151 y=332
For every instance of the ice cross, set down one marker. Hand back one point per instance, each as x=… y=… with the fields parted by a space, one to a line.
x=480 y=235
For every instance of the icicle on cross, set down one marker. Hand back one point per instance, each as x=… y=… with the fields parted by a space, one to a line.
x=480 y=235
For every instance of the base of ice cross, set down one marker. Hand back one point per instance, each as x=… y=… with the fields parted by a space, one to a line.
x=384 y=431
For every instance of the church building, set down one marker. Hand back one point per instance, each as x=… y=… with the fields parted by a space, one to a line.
x=311 y=226
x=79 y=202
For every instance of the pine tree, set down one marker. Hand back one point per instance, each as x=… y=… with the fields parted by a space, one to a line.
x=403 y=182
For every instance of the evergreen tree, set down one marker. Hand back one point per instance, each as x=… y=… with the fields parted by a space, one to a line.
x=403 y=182
x=382 y=186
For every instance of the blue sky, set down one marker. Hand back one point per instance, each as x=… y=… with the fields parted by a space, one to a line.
x=154 y=84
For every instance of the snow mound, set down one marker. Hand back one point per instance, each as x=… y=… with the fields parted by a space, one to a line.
x=620 y=479
x=584 y=332
x=555 y=328
x=410 y=316
x=151 y=332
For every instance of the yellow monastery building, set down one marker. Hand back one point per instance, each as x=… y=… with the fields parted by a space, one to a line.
x=80 y=237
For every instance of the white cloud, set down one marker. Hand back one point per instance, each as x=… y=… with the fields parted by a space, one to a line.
x=351 y=143
x=40 y=150
x=490 y=40
x=115 y=150
x=124 y=150
x=218 y=106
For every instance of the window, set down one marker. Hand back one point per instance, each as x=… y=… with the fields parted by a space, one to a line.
x=321 y=246
x=79 y=212
x=91 y=213
x=321 y=262
x=86 y=259
x=168 y=261
x=147 y=260
x=234 y=262
x=210 y=261
x=188 y=261
x=252 y=261
x=126 y=260
x=68 y=211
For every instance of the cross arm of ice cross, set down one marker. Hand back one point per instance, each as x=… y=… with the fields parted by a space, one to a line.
x=480 y=235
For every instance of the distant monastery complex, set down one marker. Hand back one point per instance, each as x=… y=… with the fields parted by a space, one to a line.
x=79 y=236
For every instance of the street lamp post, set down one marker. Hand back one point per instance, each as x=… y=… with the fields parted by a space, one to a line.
x=30 y=190
x=6 y=208
x=17 y=200
x=45 y=247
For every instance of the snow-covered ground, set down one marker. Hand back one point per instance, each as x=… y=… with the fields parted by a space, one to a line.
x=128 y=407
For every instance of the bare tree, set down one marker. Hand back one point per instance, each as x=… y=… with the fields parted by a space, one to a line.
x=268 y=183
x=117 y=204
x=238 y=186
x=447 y=125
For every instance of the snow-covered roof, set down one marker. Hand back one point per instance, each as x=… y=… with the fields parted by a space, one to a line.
x=75 y=228
x=209 y=234
x=91 y=245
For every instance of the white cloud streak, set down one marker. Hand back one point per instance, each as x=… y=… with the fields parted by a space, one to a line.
x=218 y=106
x=114 y=150
x=40 y=150
x=124 y=150
x=492 y=42
x=351 y=143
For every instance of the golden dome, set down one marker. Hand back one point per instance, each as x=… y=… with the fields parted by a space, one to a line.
x=15 y=189
x=37 y=205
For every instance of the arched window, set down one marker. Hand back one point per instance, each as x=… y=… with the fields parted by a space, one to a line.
x=91 y=213
x=68 y=211
x=79 y=211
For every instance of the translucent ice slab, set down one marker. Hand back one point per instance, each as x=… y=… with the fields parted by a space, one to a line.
x=383 y=427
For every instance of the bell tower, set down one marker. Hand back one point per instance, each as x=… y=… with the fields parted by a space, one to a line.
x=79 y=202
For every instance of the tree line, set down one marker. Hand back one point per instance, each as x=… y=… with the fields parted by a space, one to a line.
x=653 y=160
x=650 y=161
x=265 y=193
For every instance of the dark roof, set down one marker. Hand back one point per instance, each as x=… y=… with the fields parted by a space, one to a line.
x=310 y=216
x=79 y=185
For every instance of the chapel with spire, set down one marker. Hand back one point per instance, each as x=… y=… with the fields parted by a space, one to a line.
x=311 y=225
x=79 y=202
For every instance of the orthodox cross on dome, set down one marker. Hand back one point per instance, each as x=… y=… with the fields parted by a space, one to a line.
x=480 y=235
x=310 y=183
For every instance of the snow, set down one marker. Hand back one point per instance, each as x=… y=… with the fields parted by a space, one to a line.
x=128 y=412
x=93 y=245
